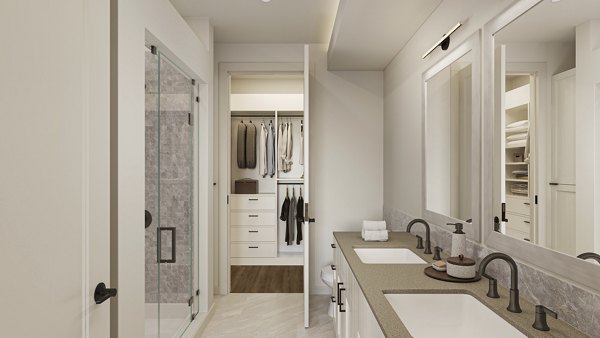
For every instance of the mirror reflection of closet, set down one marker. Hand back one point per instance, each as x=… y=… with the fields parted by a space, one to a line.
x=546 y=184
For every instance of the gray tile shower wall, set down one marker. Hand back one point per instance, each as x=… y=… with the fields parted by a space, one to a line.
x=576 y=306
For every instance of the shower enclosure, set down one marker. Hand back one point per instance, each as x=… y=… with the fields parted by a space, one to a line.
x=171 y=275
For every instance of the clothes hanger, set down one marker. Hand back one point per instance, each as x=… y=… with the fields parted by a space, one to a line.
x=287 y=191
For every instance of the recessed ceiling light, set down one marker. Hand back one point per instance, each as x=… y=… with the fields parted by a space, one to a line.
x=266 y=1
x=555 y=1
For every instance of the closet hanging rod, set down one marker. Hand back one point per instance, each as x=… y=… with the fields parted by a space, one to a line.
x=290 y=183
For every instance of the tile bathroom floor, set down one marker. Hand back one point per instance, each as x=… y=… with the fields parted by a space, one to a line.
x=239 y=315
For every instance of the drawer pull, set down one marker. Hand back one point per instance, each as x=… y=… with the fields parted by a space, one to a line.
x=253 y=216
x=340 y=304
x=333 y=246
x=526 y=203
x=252 y=247
x=253 y=199
x=333 y=267
x=252 y=230
x=332 y=299
x=527 y=222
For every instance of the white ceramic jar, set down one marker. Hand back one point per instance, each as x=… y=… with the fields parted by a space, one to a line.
x=461 y=267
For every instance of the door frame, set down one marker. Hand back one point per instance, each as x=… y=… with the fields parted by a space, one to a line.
x=225 y=70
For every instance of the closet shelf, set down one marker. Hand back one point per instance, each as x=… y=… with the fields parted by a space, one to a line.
x=290 y=179
x=514 y=147
x=517 y=163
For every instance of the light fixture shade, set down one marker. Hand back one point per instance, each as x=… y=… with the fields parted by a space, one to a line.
x=446 y=36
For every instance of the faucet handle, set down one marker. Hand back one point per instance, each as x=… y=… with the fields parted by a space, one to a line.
x=419 y=242
x=493 y=286
x=540 y=317
x=436 y=253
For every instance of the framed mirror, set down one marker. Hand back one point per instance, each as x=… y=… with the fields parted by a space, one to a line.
x=451 y=119
x=543 y=136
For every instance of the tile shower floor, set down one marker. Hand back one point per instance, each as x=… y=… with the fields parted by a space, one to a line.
x=174 y=318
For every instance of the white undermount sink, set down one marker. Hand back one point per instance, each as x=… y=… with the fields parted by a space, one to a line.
x=449 y=315
x=388 y=256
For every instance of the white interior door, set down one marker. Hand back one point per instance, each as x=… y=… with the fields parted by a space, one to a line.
x=54 y=179
x=562 y=157
x=307 y=215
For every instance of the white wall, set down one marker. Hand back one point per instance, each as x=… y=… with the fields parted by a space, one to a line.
x=158 y=22
x=587 y=136
x=346 y=111
x=402 y=100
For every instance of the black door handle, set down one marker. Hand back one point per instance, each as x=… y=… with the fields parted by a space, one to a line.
x=103 y=293
x=147 y=218
x=173 y=247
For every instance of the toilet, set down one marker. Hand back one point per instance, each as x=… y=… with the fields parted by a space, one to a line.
x=327 y=278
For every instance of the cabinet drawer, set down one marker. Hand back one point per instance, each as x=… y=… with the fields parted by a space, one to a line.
x=517 y=234
x=253 y=249
x=254 y=234
x=518 y=223
x=253 y=218
x=254 y=202
x=518 y=205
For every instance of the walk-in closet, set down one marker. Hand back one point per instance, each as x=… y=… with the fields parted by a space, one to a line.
x=264 y=144
x=267 y=182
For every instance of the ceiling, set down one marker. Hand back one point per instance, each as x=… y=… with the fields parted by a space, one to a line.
x=369 y=33
x=550 y=22
x=252 y=21
x=364 y=34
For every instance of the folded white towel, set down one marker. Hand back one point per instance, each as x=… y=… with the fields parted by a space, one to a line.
x=376 y=235
x=373 y=225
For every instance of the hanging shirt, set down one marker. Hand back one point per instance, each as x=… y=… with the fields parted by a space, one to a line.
x=281 y=148
x=288 y=148
x=301 y=161
x=250 y=146
x=262 y=151
x=291 y=223
x=241 y=145
x=271 y=150
x=299 y=219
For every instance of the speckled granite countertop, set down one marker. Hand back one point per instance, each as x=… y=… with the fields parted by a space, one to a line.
x=377 y=279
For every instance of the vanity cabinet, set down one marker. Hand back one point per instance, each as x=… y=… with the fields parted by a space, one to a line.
x=353 y=317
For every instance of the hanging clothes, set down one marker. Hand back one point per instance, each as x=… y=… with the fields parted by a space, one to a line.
x=262 y=151
x=284 y=216
x=250 y=146
x=241 y=145
x=281 y=148
x=299 y=218
x=271 y=150
x=288 y=148
x=301 y=161
x=291 y=221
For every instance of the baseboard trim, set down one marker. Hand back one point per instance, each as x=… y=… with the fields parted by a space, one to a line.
x=198 y=325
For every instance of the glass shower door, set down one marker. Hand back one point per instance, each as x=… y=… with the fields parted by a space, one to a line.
x=175 y=231
x=169 y=197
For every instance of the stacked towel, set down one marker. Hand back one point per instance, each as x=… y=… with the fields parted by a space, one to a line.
x=374 y=231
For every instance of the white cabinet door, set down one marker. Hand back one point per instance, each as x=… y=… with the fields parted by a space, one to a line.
x=563 y=215
x=55 y=173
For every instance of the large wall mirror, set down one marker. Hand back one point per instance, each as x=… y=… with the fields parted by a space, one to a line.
x=451 y=104
x=546 y=134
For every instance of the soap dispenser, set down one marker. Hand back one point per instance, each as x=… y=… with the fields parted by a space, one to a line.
x=459 y=240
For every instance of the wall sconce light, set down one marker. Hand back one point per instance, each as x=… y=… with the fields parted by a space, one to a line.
x=444 y=42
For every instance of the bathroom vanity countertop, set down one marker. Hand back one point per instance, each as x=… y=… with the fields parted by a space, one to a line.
x=375 y=280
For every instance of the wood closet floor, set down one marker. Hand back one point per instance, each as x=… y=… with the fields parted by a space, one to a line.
x=267 y=279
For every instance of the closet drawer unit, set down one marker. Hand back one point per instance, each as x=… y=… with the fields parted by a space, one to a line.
x=518 y=205
x=253 y=202
x=253 y=250
x=254 y=234
x=518 y=234
x=253 y=218
x=518 y=223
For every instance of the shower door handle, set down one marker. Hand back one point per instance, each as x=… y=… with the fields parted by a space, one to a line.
x=173 y=249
